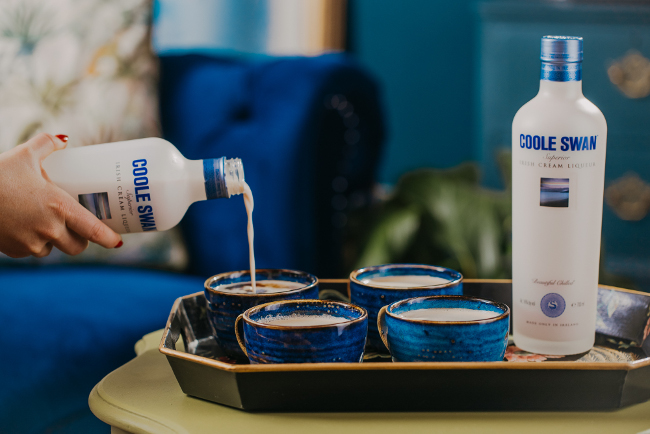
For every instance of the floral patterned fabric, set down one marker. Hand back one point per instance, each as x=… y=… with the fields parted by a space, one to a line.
x=83 y=68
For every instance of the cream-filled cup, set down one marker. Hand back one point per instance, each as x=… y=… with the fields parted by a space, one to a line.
x=380 y=285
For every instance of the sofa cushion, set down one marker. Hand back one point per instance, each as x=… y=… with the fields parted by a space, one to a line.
x=68 y=327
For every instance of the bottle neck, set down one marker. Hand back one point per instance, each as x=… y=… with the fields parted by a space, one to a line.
x=560 y=89
x=561 y=79
x=561 y=71
x=222 y=177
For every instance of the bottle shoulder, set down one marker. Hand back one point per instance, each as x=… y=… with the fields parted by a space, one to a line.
x=543 y=112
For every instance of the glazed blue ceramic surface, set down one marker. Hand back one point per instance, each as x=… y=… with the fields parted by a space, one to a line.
x=412 y=340
x=225 y=307
x=374 y=298
x=342 y=342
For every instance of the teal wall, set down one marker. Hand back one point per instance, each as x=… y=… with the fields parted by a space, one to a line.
x=421 y=52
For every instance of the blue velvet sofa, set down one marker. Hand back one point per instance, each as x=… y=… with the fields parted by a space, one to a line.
x=309 y=131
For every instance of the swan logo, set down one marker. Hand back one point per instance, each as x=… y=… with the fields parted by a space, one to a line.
x=552 y=305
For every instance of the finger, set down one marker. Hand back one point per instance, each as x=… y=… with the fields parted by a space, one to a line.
x=47 y=248
x=16 y=253
x=43 y=144
x=84 y=223
x=71 y=243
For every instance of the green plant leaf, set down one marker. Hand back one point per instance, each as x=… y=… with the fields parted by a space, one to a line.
x=443 y=217
x=390 y=236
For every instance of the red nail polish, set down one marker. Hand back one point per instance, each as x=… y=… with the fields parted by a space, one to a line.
x=62 y=137
x=119 y=245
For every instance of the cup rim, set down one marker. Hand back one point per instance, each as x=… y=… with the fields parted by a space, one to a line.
x=206 y=284
x=503 y=306
x=247 y=318
x=354 y=276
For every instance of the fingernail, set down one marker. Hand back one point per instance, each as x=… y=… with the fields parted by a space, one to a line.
x=62 y=137
x=119 y=245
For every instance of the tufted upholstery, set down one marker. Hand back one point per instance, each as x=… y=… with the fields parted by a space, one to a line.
x=307 y=161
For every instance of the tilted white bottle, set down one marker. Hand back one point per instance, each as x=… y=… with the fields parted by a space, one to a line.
x=141 y=185
x=558 y=171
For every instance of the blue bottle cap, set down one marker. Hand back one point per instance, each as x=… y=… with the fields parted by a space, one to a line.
x=561 y=49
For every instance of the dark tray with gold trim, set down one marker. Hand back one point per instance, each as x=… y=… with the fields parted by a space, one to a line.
x=614 y=374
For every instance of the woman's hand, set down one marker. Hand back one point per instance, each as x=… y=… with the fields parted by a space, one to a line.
x=35 y=214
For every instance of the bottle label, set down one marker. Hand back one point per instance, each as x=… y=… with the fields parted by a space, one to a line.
x=554 y=192
x=96 y=203
x=561 y=71
x=556 y=226
x=133 y=199
x=143 y=195
x=555 y=143
x=553 y=305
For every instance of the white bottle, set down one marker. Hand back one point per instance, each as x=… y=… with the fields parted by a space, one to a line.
x=141 y=185
x=558 y=173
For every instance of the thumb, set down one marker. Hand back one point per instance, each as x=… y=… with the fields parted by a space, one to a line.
x=43 y=144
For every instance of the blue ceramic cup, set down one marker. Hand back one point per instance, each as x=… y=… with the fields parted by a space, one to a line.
x=301 y=331
x=224 y=306
x=468 y=340
x=372 y=296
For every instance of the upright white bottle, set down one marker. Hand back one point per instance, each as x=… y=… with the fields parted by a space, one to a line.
x=141 y=185
x=558 y=171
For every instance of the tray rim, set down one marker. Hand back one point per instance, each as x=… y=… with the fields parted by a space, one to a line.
x=386 y=366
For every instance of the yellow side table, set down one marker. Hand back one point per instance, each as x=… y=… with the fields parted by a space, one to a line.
x=143 y=397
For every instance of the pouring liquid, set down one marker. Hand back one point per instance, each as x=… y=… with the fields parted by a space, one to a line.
x=250 y=204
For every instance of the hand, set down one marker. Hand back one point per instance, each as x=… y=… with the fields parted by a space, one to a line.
x=35 y=214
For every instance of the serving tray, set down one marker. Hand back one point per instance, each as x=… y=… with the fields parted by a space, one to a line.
x=614 y=374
